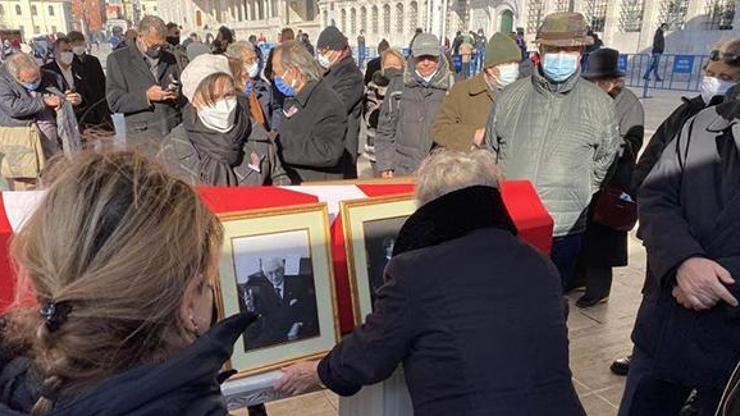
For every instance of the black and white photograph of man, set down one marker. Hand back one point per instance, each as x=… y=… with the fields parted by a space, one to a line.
x=380 y=237
x=279 y=287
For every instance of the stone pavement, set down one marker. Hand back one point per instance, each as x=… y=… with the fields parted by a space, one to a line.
x=597 y=335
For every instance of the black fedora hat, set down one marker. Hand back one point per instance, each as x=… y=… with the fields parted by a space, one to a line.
x=604 y=63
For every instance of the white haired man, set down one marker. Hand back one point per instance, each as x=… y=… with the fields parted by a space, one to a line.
x=312 y=131
x=434 y=327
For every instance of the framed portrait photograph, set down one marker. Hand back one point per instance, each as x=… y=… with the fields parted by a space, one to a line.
x=277 y=264
x=371 y=227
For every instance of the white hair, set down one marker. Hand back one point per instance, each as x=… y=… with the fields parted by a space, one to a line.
x=20 y=62
x=446 y=171
x=236 y=49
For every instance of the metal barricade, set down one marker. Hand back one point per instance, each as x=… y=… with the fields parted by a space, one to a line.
x=675 y=71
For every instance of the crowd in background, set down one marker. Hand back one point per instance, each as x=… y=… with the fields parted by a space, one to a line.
x=223 y=112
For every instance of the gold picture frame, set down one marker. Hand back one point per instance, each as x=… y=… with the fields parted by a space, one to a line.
x=253 y=238
x=364 y=266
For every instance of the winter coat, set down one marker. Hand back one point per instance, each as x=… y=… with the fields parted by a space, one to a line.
x=371 y=68
x=93 y=94
x=259 y=166
x=448 y=335
x=666 y=132
x=604 y=246
x=18 y=108
x=20 y=381
x=263 y=89
x=345 y=79
x=79 y=86
x=187 y=384
x=688 y=208
x=128 y=80
x=659 y=42
x=374 y=97
x=464 y=110
x=404 y=138
x=311 y=134
x=562 y=137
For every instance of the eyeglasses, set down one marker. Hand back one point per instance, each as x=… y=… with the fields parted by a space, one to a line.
x=729 y=58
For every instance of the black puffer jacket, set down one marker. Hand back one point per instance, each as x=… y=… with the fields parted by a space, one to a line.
x=186 y=385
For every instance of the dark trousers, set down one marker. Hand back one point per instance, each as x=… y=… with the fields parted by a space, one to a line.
x=565 y=252
x=647 y=395
x=598 y=281
x=654 y=66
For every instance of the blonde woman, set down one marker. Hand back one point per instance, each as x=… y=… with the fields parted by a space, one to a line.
x=124 y=286
x=392 y=64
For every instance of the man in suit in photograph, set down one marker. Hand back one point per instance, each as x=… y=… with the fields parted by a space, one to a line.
x=287 y=306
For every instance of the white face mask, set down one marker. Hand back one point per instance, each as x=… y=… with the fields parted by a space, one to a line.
x=79 y=50
x=507 y=74
x=712 y=86
x=219 y=116
x=253 y=70
x=323 y=61
x=66 y=58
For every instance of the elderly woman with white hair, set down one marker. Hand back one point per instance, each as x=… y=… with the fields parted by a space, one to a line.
x=456 y=308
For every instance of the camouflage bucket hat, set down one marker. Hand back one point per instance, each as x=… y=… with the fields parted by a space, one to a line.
x=564 y=30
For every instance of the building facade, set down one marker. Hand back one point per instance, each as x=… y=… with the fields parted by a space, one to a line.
x=245 y=17
x=36 y=17
x=627 y=25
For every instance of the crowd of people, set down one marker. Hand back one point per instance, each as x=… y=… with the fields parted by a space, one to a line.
x=125 y=292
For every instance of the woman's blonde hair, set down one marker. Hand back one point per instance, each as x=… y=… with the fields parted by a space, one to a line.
x=213 y=87
x=394 y=52
x=115 y=242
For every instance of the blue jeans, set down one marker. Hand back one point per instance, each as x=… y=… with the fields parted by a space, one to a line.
x=565 y=252
x=360 y=56
x=648 y=395
x=654 y=65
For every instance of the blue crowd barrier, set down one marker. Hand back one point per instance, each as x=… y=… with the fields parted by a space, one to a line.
x=677 y=72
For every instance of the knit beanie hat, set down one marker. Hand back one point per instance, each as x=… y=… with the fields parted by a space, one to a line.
x=332 y=39
x=201 y=68
x=501 y=49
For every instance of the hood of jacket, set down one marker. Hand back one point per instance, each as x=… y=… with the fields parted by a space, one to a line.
x=188 y=384
x=441 y=79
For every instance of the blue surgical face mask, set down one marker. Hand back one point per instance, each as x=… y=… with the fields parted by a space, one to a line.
x=286 y=89
x=32 y=86
x=558 y=67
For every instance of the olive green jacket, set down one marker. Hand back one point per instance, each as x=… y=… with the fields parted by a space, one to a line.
x=464 y=110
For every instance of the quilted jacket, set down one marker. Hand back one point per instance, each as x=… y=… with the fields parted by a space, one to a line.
x=562 y=137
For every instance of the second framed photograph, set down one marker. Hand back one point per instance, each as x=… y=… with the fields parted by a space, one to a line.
x=276 y=263
x=371 y=227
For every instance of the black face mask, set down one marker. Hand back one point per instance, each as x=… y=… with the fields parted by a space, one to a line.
x=173 y=40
